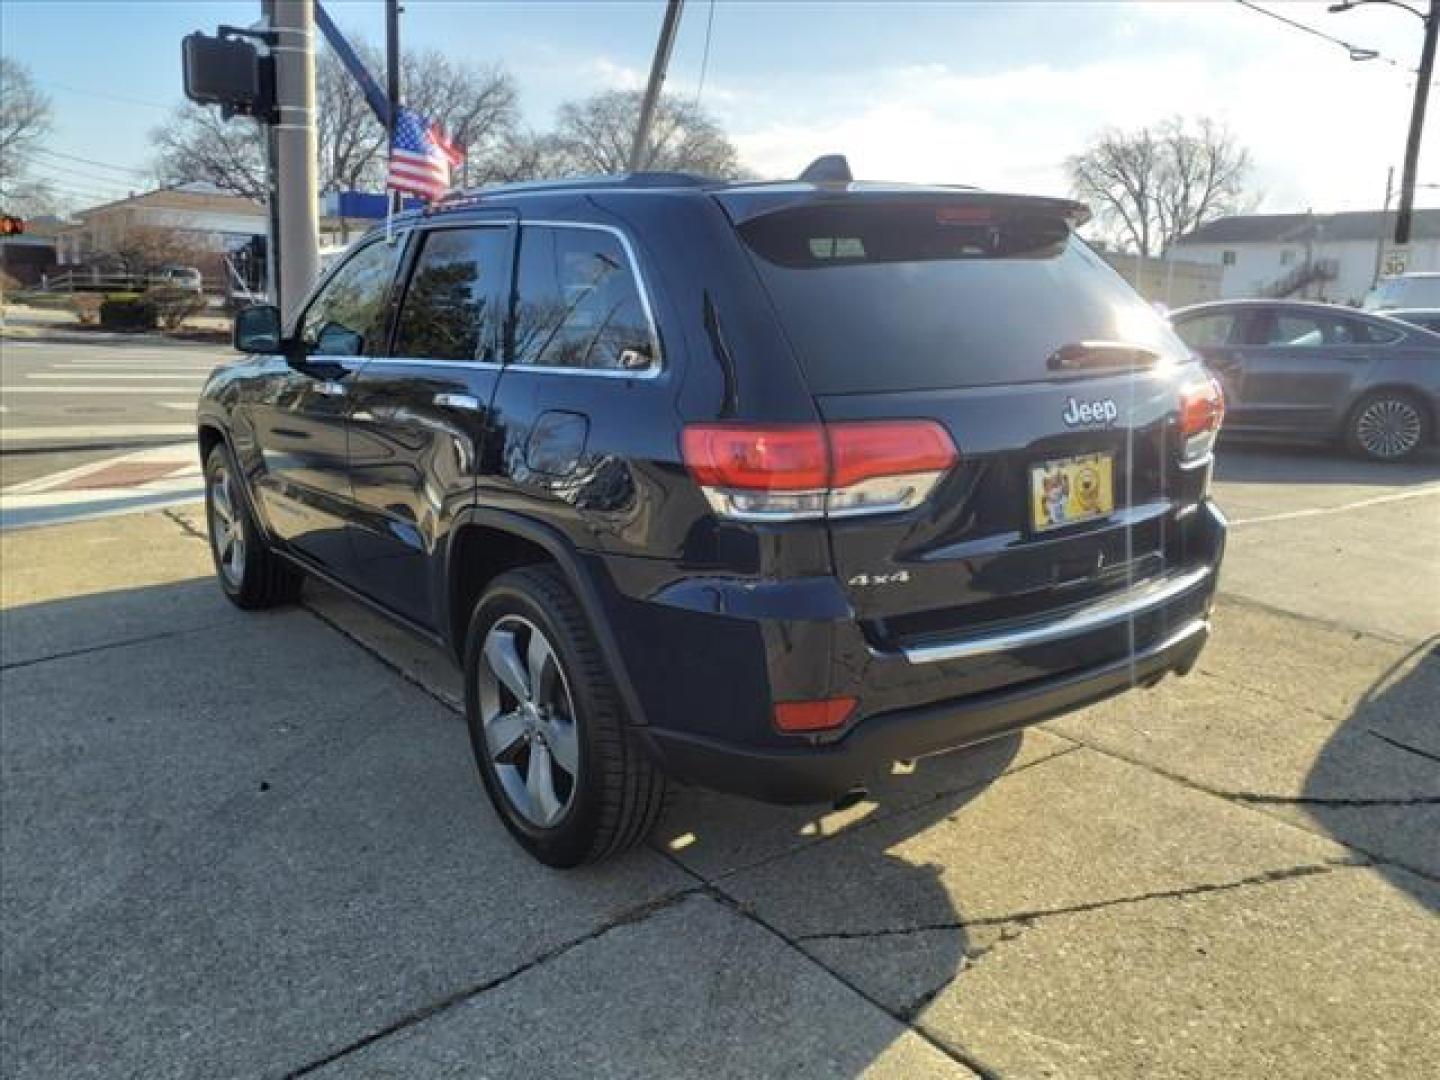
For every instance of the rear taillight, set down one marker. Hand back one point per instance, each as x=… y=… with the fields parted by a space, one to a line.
x=788 y=472
x=1202 y=408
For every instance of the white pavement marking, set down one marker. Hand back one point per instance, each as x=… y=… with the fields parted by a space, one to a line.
x=1360 y=504
x=91 y=432
x=5 y=390
x=183 y=456
x=176 y=477
x=117 y=375
x=178 y=406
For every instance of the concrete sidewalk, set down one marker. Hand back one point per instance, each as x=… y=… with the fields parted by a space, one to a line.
x=256 y=846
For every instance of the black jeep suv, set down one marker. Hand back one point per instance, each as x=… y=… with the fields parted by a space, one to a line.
x=754 y=486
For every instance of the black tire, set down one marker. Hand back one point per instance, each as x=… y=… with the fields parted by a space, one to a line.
x=261 y=579
x=1388 y=426
x=616 y=794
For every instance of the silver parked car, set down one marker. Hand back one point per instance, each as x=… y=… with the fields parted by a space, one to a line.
x=1299 y=369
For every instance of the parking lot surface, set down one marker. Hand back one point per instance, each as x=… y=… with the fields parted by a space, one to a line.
x=256 y=846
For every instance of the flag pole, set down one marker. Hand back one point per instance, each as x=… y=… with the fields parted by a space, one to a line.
x=392 y=95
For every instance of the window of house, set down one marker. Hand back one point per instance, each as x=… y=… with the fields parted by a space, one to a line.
x=578 y=303
x=448 y=311
x=347 y=317
x=1227 y=258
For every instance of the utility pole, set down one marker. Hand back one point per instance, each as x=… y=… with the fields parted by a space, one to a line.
x=294 y=135
x=1417 y=125
x=658 y=67
x=1417 y=109
x=392 y=80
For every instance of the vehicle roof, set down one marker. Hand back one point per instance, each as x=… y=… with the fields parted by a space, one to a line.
x=742 y=198
x=1400 y=313
x=1318 y=306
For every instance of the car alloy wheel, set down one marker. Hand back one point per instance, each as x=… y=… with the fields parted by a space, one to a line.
x=1388 y=427
x=227 y=531
x=528 y=717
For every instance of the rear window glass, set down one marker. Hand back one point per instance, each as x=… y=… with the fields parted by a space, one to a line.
x=913 y=297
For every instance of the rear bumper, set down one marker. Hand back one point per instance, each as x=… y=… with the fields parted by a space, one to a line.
x=820 y=773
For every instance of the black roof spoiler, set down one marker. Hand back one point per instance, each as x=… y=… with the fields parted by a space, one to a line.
x=747 y=204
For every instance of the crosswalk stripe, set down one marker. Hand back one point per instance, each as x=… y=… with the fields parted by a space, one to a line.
x=78 y=376
x=93 y=432
x=5 y=391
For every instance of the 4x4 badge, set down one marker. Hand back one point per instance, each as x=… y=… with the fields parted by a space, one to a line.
x=1104 y=411
x=899 y=577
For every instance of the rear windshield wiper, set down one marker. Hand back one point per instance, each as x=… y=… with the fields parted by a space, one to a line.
x=1103 y=356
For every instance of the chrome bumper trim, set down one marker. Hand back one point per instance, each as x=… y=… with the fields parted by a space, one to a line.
x=1107 y=612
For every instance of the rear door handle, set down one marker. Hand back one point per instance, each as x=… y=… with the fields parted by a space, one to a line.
x=465 y=402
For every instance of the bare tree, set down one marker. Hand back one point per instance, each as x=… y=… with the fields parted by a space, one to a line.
x=594 y=136
x=1150 y=186
x=196 y=145
x=475 y=104
x=25 y=119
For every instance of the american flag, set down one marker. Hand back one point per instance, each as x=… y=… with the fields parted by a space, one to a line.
x=421 y=157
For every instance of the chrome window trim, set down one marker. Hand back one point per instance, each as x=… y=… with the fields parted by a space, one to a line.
x=657 y=367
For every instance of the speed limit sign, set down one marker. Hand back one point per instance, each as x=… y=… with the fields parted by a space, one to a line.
x=1396 y=261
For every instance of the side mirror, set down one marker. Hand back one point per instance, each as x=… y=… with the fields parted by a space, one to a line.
x=257 y=329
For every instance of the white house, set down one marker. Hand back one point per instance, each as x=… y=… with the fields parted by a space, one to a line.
x=1315 y=256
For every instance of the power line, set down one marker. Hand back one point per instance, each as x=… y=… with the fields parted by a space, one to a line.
x=105 y=94
x=1356 y=52
x=91 y=161
x=705 y=56
x=67 y=171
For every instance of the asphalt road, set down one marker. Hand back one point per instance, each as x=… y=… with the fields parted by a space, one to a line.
x=66 y=402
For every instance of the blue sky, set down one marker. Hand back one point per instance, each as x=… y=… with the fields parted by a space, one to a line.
x=995 y=94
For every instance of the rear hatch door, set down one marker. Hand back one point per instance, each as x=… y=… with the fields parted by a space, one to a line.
x=1055 y=381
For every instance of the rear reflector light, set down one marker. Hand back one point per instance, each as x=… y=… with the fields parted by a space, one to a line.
x=1202 y=409
x=785 y=472
x=823 y=715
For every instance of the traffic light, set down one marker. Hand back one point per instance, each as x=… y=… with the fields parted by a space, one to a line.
x=11 y=226
x=229 y=73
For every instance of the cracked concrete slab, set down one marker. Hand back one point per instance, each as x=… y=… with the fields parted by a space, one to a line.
x=713 y=835
x=235 y=853
x=1312 y=721
x=1324 y=975
x=710 y=993
x=1077 y=829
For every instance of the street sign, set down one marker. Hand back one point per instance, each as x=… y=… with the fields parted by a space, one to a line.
x=1394 y=260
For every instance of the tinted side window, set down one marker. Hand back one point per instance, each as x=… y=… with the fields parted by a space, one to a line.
x=1206 y=330
x=1294 y=331
x=577 y=303
x=1374 y=333
x=447 y=313
x=347 y=318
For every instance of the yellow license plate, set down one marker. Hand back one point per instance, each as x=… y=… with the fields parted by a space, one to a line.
x=1068 y=490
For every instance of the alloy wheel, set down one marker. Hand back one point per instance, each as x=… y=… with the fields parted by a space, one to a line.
x=227 y=532
x=1388 y=428
x=528 y=717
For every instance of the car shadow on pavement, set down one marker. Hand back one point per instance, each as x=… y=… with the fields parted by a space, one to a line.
x=1242 y=461
x=719 y=838
x=1393 y=736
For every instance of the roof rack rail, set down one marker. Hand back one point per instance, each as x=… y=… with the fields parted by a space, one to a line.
x=652 y=179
